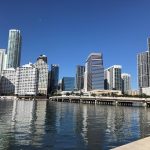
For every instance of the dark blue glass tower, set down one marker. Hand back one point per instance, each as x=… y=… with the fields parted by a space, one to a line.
x=54 y=77
x=68 y=83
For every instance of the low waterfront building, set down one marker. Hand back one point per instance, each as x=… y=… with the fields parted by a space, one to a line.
x=68 y=83
x=145 y=90
x=42 y=66
x=134 y=92
x=7 y=84
x=26 y=80
x=106 y=92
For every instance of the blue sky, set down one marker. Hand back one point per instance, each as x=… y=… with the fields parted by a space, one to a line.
x=67 y=31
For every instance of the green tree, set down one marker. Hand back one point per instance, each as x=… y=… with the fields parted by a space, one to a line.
x=93 y=94
x=67 y=94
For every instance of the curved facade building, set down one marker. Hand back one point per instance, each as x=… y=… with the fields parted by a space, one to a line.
x=14 y=49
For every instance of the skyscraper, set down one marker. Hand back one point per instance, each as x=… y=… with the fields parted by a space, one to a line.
x=113 y=78
x=94 y=72
x=143 y=66
x=14 y=49
x=126 y=83
x=2 y=59
x=80 y=77
x=54 y=77
x=143 y=69
x=42 y=66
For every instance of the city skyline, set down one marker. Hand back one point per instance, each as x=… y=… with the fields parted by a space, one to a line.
x=45 y=57
x=66 y=29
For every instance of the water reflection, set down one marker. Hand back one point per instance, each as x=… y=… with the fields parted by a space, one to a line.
x=5 y=120
x=50 y=125
x=22 y=116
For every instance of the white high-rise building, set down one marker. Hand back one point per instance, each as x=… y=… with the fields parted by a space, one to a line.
x=2 y=59
x=7 y=84
x=113 y=79
x=5 y=61
x=42 y=66
x=26 y=80
x=126 y=83
x=143 y=69
x=94 y=72
x=143 y=66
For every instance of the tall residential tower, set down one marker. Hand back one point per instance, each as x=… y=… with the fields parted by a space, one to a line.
x=126 y=83
x=80 y=77
x=113 y=78
x=14 y=49
x=143 y=65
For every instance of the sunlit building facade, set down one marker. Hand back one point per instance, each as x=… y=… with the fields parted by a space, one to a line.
x=94 y=72
x=26 y=80
x=113 y=79
x=143 y=69
x=126 y=83
x=42 y=67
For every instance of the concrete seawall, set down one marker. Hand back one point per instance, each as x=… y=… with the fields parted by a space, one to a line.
x=143 y=144
x=119 y=101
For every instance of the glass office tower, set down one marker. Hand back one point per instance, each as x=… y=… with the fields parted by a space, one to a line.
x=14 y=49
x=94 y=72
x=54 y=78
x=68 y=83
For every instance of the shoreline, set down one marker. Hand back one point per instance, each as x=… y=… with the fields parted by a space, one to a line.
x=23 y=98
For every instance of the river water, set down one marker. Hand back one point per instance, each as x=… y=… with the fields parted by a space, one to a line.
x=26 y=125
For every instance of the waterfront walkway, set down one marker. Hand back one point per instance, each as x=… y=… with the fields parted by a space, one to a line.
x=143 y=144
x=120 y=101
